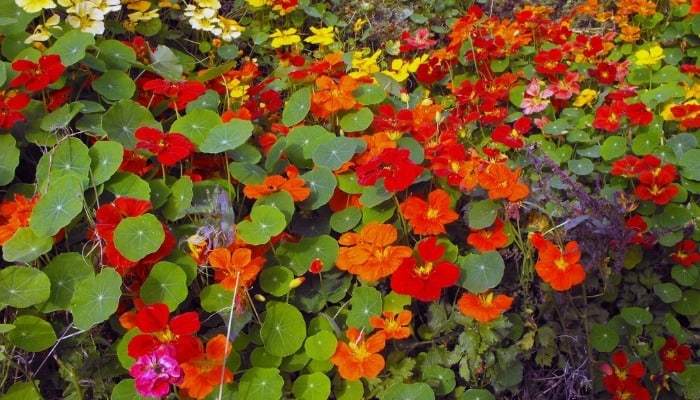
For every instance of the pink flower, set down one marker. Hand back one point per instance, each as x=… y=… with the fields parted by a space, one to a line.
x=154 y=372
x=535 y=100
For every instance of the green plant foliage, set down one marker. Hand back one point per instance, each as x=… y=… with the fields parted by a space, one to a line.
x=166 y=283
x=95 y=298
x=32 y=333
x=283 y=331
x=481 y=272
x=137 y=237
x=22 y=287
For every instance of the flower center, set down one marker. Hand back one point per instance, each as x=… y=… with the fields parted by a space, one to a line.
x=561 y=263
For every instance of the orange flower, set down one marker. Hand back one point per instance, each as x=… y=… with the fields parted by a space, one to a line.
x=332 y=97
x=369 y=254
x=429 y=218
x=14 y=215
x=489 y=239
x=393 y=325
x=228 y=264
x=357 y=358
x=561 y=269
x=204 y=373
x=484 y=307
x=502 y=183
x=273 y=184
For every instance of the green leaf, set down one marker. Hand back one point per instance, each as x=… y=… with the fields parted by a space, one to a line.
x=21 y=287
x=106 y=157
x=613 y=147
x=681 y=143
x=227 y=136
x=247 y=173
x=281 y=200
x=9 y=159
x=304 y=252
x=346 y=219
x=668 y=292
x=372 y=196
x=349 y=390
x=214 y=298
x=71 y=46
x=297 y=107
x=686 y=276
x=315 y=386
x=302 y=142
x=124 y=118
x=180 y=199
x=369 y=94
x=32 y=334
x=166 y=283
x=165 y=63
x=440 y=378
x=284 y=330
x=357 y=121
x=266 y=222
x=636 y=316
x=321 y=346
x=275 y=280
x=116 y=54
x=604 y=338
x=478 y=394
x=689 y=303
x=334 y=153
x=96 y=298
x=409 y=391
x=126 y=184
x=322 y=182
x=25 y=246
x=365 y=302
x=645 y=143
x=581 y=166
x=137 y=237
x=126 y=390
x=197 y=124
x=690 y=164
x=674 y=215
x=23 y=390
x=261 y=383
x=483 y=213
x=58 y=207
x=65 y=271
x=114 y=85
x=70 y=157
x=481 y=272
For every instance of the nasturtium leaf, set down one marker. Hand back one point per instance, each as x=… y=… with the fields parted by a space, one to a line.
x=667 y=74
x=246 y=153
x=681 y=143
x=674 y=215
x=210 y=100
x=247 y=173
x=379 y=213
x=126 y=390
x=366 y=302
x=481 y=272
x=116 y=54
x=689 y=303
x=32 y=334
x=275 y=280
x=65 y=271
x=166 y=283
x=25 y=246
x=261 y=383
x=126 y=184
x=114 y=85
x=323 y=247
x=482 y=214
x=409 y=391
x=604 y=338
x=214 y=298
x=281 y=200
x=21 y=286
x=321 y=346
x=96 y=298
x=369 y=94
x=357 y=121
x=591 y=152
x=261 y=358
x=668 y=292
x=315 y=386
x=23 y=390
x=124 y=118
x=688 y=382
x=581 y=166
x=346 y=219
x=613 y=147
x=660 y=94
x=197 y=124
x=578 y=136
x=165 y=63
x=105 y=159
x=636 y=316
x=686 y=276
x=58 y=207
x=334 y=153
x=478 y=394
x=297 y=107
x=416 y=150
x=227 y=136
x=372 y=196
x=266 y=222
x=645 y=143
x=70 y=157
x=296 y=362
x=690 y=164
x=9 y=159
x=322 y=183
x=670 y=239
x=284 y=329
x=181 y=193
x=349 y=390
x=557 y=127
x=440 y=378
x=159 y=192
x=137 y=237
x=273 y=158
x=348 y=183
x=71 y=46
x=302 y=141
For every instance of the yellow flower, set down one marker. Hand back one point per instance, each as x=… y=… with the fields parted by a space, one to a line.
x=41 y=32
x=365 y=66
x=666 y=113
x=32 y=6
x=284 y=38
x=359 y=23
x=321 y=36
x=256 y=3
x=692 y=92
x=400 y=69
x=649 y=57
x=586 y=97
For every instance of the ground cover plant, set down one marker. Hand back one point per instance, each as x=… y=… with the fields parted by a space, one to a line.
x=269 y=199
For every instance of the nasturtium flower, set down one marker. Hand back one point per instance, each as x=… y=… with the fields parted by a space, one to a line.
x=32 y=6
x=321 y=36
x=37 y=76
x=394 y=166
x=429 y=217
x=649 y=57
x=156 y=371
x=556 y=266
x=686 y=253
x=287 y=37
x=234 y=266
x=502 y=183
x=421 y=40
x=169 y=148
x=11 y=106
x=512 y=136
x=674 y=355
x=484 y=307
x=358 y=358
x=157 y=329
x=394 y=325
x=489 y=239
x=586 y=98
x=292 y=184
x=622 y=379
x=204 y=372
x=333 y=96
x=14 y=215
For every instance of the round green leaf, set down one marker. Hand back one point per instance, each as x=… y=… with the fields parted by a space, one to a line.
x=160 y=192
x=645 y=143
x=124 y=118
x=302 y=142
x=304 y=252
x=57 y=207
x=214 y=298
x=636 y=316
x=9 y=159
x=316 y=386
x=166 y=283
x=686 y=276
x=106 y=157
x=613 y=147
x=247 y=173
x=297 y=107
x=674 y=215
x=689 y=304
x=581 y=166
x=197 y=124
x=266 y=222
x=357 y=121
x=481 y=272
x=348 y=183
x=284 y=329
x=409 y=391
x=478 y=394
x=261 y=383
x=165 y=62
x=281 y=200
x=690 y=164
x=483 y=213
x=137 y=237
x=668 y=292
x=126 y=184
x=349 y=390
x=261 y=358
x=210 y=100
x=604 y=338
x=181 y=193
x=25 y=246
x=321 y=346
x=334 y=153
x=21 y=287
x=116 y=54
x=346 y=219
x=126 y=390
x=23 y=391
x=114 y=85
x=275 y=280
x=374 y=195
x=440 y=378
x=322 y=183
x=96 y=298
x=369 y=94
x=70 y=157
x=681 y=143
x=65 y=271
x=32 y=333
x=71 y=46
x=366 y=302
x=227 y=136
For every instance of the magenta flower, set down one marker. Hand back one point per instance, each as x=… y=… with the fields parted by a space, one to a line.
x=154 y=372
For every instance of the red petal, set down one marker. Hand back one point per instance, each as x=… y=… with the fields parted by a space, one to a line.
x=153 y=318
x=185 y=324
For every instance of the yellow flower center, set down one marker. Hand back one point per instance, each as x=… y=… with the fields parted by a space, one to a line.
x=424 y=270
x=561 y=263
x=432 y=213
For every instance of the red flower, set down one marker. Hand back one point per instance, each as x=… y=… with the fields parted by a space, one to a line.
x=36 y=77
x=656 y=181
x=605 y=73
x=489 y=239
x=421 y=41
x=169 y=148
x=425 y=281
x=622 y=380
x=637 y=224
x=674 y=355
x=429 y=218
x=607 y=117
x=639 y=114
x=10 y=106
x=180 y=93
x=628 y=167
x=556 y=266
x=484 y=307
x=391 y=122
x=512 y=136
x=548 y=62
x=686 y=253
x=394 y=165
x=156 y=330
